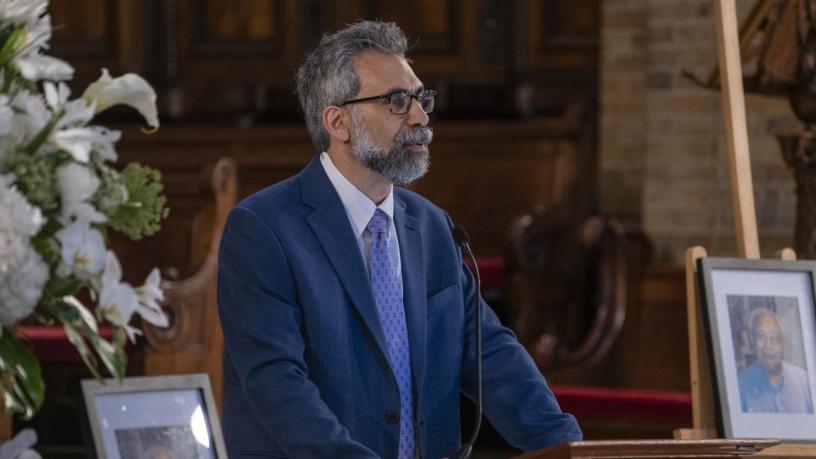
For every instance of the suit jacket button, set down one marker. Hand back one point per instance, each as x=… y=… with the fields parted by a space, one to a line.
x=392 y=417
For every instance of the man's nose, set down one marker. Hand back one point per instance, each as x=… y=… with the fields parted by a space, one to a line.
x=416 y=115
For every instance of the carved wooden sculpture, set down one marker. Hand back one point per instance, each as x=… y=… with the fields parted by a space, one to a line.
x=193 y=342
x=573 y=280
x=778 y=40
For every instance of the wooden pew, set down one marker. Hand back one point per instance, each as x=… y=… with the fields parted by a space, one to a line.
x=193 y=343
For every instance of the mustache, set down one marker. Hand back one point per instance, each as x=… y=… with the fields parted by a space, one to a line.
x=421 y=135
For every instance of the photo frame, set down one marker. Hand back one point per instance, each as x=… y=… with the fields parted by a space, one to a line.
x=154 y=416
x=762 y=339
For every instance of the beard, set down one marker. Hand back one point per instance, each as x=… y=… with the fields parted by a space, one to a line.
x=399 y=165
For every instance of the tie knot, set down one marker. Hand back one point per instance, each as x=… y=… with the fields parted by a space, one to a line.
x=378 y=222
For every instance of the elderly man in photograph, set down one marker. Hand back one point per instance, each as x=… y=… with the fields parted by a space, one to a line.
x=347 y=311
x=770 y=384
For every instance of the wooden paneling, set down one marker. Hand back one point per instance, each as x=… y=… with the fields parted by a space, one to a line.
x=228 y=54
x=96 y=34
x=231 y=59
x=436 y=21
x=561 y=49
x=246 y=23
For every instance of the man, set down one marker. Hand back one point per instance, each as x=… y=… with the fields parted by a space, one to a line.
x=771 y=385
x=346 y=309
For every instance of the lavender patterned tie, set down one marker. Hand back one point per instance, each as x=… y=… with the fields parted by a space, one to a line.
x=387 y=289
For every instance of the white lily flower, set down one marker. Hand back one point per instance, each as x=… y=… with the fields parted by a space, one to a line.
x=77 y=184
x=83 y=249
x=118 y=301
x=129 y=89
x=38 y=67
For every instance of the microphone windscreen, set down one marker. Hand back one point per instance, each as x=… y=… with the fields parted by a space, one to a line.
x=460 y=235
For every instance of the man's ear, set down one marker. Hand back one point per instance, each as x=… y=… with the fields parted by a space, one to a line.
x=336 y=121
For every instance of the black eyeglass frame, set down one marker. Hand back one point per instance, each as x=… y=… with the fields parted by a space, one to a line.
x=391 y=94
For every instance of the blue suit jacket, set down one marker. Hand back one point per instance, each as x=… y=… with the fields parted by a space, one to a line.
x=305 y=366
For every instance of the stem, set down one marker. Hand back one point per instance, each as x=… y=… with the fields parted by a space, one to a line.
x=43 y=135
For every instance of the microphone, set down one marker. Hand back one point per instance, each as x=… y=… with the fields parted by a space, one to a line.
x=462 y=240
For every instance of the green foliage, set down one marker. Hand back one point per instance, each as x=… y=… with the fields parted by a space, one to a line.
x=20 y=376
x=10 y=38
x=82 y=332
x=145 y=208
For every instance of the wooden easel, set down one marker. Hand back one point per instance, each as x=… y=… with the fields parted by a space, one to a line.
x=733 y=99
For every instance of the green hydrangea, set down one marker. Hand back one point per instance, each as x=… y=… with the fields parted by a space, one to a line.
x=35 y=178
x=141 y=215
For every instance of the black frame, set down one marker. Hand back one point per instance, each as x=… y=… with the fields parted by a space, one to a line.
x=725 y=412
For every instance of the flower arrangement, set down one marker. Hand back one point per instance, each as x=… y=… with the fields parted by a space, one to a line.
x=59 y=196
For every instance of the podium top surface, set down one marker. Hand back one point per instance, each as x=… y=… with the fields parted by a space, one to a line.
x=709 y=448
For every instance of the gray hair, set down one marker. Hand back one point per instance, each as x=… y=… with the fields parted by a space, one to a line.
x=758 y=313
x=327 y=75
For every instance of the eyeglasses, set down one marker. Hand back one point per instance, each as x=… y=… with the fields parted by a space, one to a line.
x=400 y=101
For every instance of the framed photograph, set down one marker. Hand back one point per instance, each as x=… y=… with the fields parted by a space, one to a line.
x=154 y=418
x=760 y=323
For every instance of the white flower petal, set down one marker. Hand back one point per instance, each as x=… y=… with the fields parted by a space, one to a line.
x=104 y=144
x=76 y=113
x=40 y=67
x=77 y=142
x=113 y=270
x=151 y=292
x=22 y=11
x=129 y=89
x=51 y=95
x=76 y=182
x=35 y=113
x=118 y=302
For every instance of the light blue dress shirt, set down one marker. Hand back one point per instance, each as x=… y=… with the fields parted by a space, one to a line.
x=758 y=395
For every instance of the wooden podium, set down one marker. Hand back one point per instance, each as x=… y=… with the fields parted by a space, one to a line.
x=715 y=448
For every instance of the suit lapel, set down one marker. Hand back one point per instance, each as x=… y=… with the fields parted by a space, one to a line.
x=414 y=289
x=331 y=227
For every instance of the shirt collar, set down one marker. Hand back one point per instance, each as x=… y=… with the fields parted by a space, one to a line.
x=359 y=207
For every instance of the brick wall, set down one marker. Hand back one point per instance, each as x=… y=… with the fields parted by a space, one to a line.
x=662 y=144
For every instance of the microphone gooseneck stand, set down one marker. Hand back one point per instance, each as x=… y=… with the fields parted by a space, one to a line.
x=461 y=238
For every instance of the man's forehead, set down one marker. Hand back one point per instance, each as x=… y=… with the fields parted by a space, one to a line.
x=767 y=321
x=380 y=73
